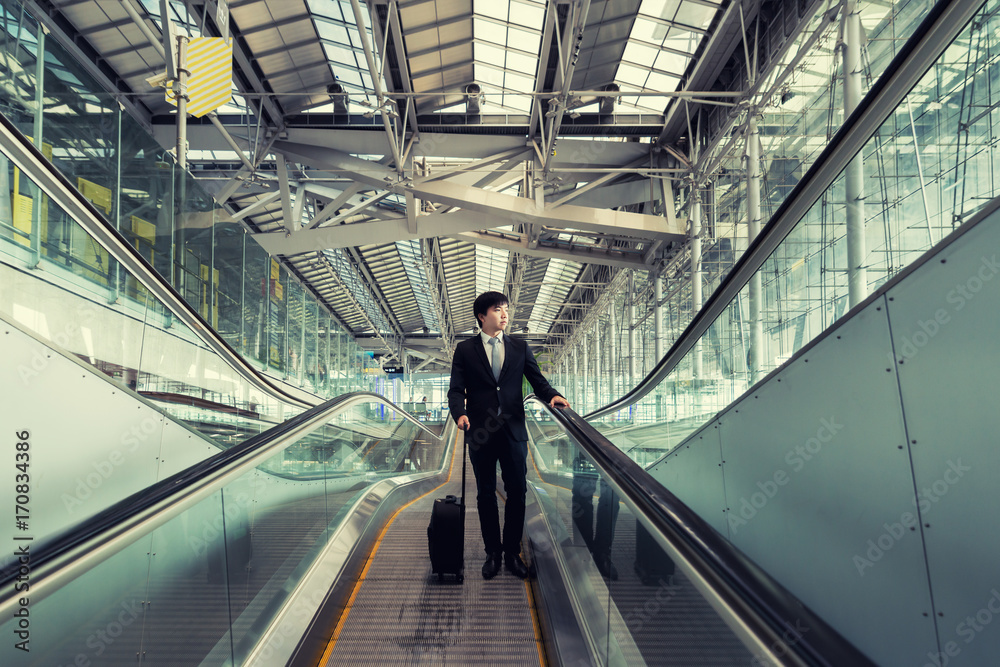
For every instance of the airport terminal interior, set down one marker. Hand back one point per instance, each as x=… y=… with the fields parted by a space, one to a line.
x=748 y=241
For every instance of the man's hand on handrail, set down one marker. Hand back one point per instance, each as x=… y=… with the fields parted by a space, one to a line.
x=558 y=402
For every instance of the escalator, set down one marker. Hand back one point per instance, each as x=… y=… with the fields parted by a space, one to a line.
x=233 y=562
x=193 y=568
x=256 y=551
x=859 y=472
x=255 y=556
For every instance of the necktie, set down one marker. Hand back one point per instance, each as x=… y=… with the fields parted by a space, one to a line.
x=495 y=342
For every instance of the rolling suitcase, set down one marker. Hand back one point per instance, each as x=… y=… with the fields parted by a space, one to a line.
x=446 y=533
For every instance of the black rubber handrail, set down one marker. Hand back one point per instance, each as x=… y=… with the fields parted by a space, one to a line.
x=757 y=607
x=944 y=22
x=70 y=554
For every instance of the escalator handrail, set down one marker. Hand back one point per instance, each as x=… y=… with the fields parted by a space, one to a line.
x=57 y=186
x=71 y=554
x=944 y=21
x=756 y=606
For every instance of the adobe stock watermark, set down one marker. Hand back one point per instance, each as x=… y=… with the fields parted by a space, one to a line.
x=235 y=507
x=796 y=458
x=638 y=616
x=925 y=500
x=790 y=636
x=102 y=638
x=968 y=629
x=958 y=297
x=41 y=358
x=90 y=481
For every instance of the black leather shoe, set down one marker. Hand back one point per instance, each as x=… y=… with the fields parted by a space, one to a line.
x=606 y=567
x=491 y=566
x=516 y=566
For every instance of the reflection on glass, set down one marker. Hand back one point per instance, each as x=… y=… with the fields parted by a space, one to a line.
x=634 y=605
x=598 y=537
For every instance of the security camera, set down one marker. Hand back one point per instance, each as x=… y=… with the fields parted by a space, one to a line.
x=158 y=81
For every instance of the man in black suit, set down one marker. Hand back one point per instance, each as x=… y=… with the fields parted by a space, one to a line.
x=485 y=398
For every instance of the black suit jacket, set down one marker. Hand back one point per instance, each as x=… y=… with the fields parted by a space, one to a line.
x=474 y=391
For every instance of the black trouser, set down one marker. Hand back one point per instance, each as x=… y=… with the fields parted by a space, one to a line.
x=500 y=447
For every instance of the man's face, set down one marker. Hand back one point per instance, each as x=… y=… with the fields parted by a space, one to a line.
x=495 y=319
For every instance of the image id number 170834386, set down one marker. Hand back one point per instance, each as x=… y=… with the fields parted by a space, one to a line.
x=22 y=538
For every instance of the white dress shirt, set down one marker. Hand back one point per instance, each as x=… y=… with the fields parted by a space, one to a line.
x=489 y=348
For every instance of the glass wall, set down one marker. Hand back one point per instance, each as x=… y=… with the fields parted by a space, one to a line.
x=797 y=105
x=928 y=168
x=634 y=606
x=250 y=299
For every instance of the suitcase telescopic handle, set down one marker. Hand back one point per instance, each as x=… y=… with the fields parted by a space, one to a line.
x=466 y=429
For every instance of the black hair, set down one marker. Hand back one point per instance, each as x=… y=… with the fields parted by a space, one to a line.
x=485 y=301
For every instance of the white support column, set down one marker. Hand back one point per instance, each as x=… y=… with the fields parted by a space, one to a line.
x=696 y=279
x=35 y=240
x=658 y=337
x=576 y=387
x=598 y=365
x=756 y=322
x=611 y=341
x=181 y=95
x=633 y=352
x=585 y=399
x=658 y=318
x=857 y=278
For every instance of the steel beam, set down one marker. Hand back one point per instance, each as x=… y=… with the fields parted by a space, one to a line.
x=571 y=40
x=520 y=246
x=364 y=233
x=551 y=12
x=257 y=206
x=596 y=183
x=696 y=277
x=359 y=19
x=509 y=154
x=505 y=209
x=513 y=210
x=404 y=67
x=285 y=192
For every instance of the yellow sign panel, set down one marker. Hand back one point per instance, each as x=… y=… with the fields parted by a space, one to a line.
x=98 y=194
x=22 y=218
x=46 y=148
x=144 y=229
x=210 y=75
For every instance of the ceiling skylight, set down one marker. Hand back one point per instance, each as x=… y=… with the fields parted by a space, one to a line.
x=491 y=269
x=507 y=34
x=664 y=38
x=341 y=39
